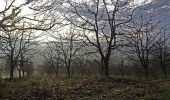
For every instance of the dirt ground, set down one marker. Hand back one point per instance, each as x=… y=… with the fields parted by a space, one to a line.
x=84 y=89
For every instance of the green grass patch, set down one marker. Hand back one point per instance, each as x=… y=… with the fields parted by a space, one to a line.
x=166 y=91
x=17 y=84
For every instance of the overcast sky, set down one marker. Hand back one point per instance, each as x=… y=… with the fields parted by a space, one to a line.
x=160 y=5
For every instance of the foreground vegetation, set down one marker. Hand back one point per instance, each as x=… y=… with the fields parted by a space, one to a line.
x=85 y=89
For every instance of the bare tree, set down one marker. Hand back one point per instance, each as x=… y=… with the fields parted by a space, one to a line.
x=9 y=51
x=142 y=38
x=101 y=21
x=29 y=67
x=52 y=58
x=69 y=45
x=9 y=20
x=14 y=45
x=28 y=45
x=12 y=18
x=161 y=54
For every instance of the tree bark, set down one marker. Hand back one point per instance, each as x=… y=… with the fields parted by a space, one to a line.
x=68 y=72
x=19 y=71
x=164 y=70
x=11 y=73
x=102 y=67
x=106 y=68
x=11 y=69
x=23 y=73
x=146 y=70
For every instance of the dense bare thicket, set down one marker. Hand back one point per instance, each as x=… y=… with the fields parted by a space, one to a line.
x=103 y=28
x=68 y=45
x=52 y=59
x=14 y=23
x=161 y=55
x=16 y=48
x=100 y=21
x=146 y=40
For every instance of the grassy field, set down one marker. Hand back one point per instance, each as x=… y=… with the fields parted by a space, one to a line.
x=85 y=89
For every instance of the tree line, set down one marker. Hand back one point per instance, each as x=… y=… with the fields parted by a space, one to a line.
x=95 y=37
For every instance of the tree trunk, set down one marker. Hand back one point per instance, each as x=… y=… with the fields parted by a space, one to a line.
x=56 y=70
x=122 y=68
x=146 y=70
x=23 y=73
x=82 y=74
x=106 y=68
x=68 y=71
x=102 y=68
x=11 y=73
x=11 y=70
x=19 y=71
x=164 y=70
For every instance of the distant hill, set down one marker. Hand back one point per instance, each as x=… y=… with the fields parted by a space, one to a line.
x=161 y=7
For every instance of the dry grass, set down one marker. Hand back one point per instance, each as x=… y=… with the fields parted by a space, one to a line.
x=84 y=89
